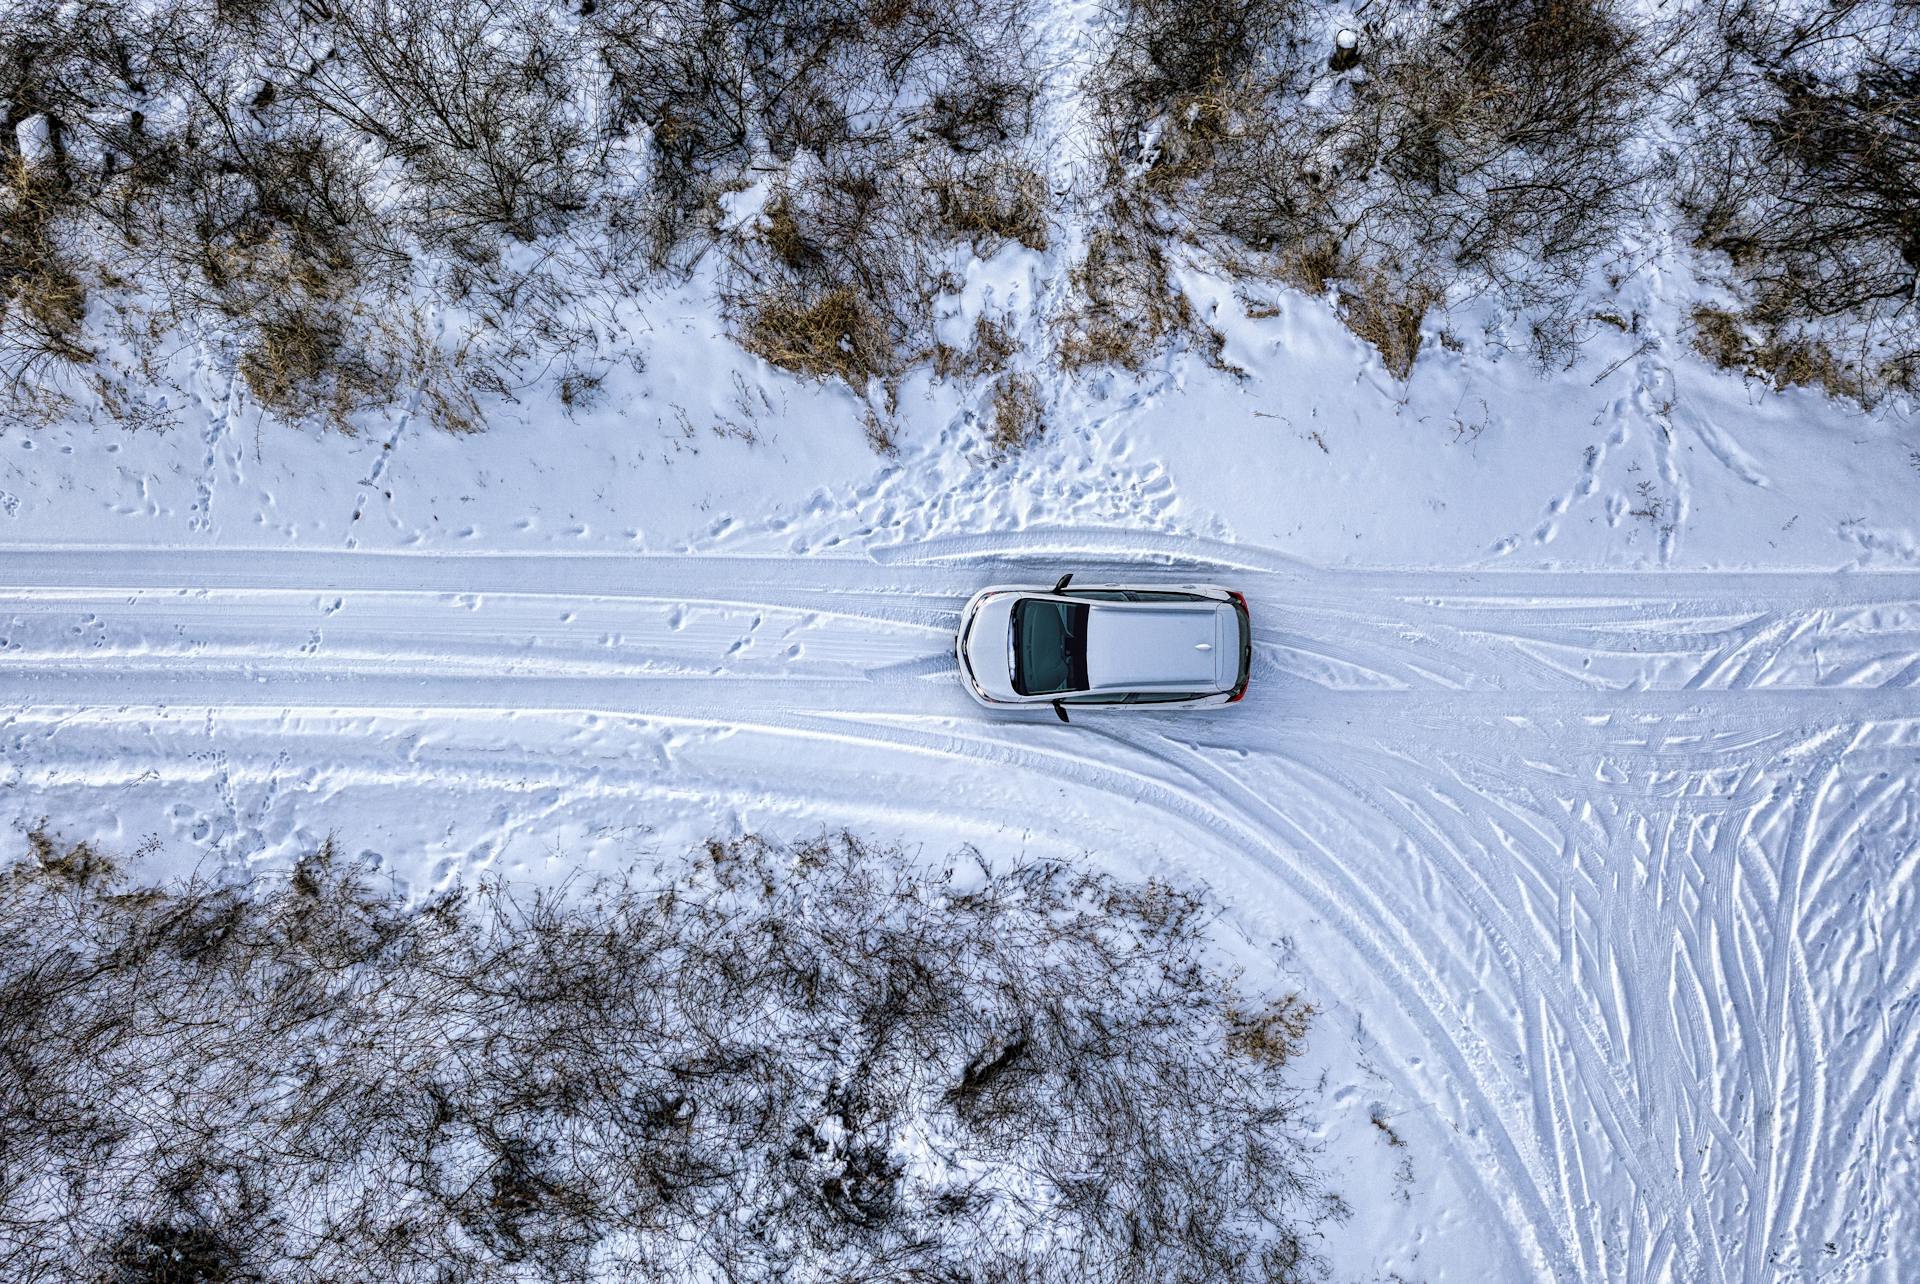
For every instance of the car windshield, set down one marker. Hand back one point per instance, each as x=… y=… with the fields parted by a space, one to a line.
x=1049 y=647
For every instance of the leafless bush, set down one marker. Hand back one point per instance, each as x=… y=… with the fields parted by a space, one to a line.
x=833 y=79
x=809 y=1063
x=279 y=175
x=477 y=97
x=1170 y=55
x=246 y=209
x=1478 y=145
x=889 y=132
x=1803 y=174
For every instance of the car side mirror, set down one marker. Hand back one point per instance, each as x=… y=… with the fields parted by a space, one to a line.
x=1060 y=709
x=1060 y=586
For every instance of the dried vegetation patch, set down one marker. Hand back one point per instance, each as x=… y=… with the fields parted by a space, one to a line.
x=1805 y=187
x=811 y=1063
x=281 y=178
x=1458 y=149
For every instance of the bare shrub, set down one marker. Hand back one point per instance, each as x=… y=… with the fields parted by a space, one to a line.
x=833 y=79
x=892 y=130
x=278 y=176
x=246 y=211
x=477 y=97
x=1802 y=174
x=1170 y=54
x=805 y=1063
x=1482 y=145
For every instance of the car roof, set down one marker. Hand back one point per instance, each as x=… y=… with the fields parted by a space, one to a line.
x=1153 y=646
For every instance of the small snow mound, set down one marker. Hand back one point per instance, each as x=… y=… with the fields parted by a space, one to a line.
x=35 y=137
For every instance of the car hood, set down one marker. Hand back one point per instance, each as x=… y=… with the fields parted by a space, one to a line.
x=986 y=649
x=1174 y=647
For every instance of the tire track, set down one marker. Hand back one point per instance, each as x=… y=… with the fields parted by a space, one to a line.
x=1579 y=829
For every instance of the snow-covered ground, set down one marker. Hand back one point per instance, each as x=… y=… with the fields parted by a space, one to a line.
x=1576 y=785
x=1595 y=841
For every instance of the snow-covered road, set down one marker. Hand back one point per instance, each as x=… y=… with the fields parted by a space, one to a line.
x=1601 y=856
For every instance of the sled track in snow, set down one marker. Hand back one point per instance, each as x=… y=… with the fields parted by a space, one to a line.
x=1634 y=853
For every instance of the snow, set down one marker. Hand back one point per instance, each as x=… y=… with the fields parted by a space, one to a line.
x=1576 y=782
x=34 y=137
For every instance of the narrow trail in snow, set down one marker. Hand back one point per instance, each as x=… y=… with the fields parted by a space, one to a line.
x=1634 y=853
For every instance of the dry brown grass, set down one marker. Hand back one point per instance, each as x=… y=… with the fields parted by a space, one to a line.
x=291 y=357
x=1719 y=336
x=329 y=364
x=1371 y=305
x=446 y=377
x=1313 y=265
x=991 y=347
x=992 y=202
x=879 y=430
x=833 y=335
x=42 y=297
x=1017 y=420
x=1273 y=1036
x=782 y=233
x=76 y=863
x=1386 y=318
x=1732 y=342
x=1126 y=306
x=1194 y=127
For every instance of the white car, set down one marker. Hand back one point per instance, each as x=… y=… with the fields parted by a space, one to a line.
x=1169 y=646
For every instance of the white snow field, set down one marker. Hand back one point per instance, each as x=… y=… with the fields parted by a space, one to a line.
x=1577 y=783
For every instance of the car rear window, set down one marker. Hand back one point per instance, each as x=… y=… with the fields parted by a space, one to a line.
x=1049 y=647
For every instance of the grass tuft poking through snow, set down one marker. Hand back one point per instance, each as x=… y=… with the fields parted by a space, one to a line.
x=813 y=1062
